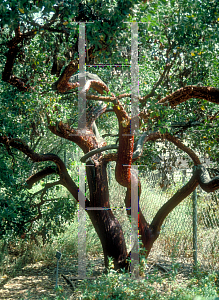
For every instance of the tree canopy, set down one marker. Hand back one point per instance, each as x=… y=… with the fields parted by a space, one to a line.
x=177 y=99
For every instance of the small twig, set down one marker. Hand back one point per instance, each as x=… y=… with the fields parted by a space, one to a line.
x=47 y=186
x=161 y=268
x=69 y=282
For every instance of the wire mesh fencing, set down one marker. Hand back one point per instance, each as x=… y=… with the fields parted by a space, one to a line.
x=176 y=241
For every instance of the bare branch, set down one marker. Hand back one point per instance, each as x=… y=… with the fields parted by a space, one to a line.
x=65 y=178
x=200 y=176
x=47 y=186
x=40 y=175
x=98 y=86
x=181 y=146
x=63 y=83
x=140 y=143
x=85 y=139
x=7 y=74
x=207 y=184
x=93 y=115
x=210 y=94
x=98 y=150
x=156 y=135
x=167 y=68
x=23 y=147
x=180 y=195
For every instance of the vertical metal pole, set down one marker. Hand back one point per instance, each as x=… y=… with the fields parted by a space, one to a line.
x=65 y=158
x=194 y=201
x=81 y=224
x=183 y=176
x=110 y=175
x=57 y=272
x=58 y=256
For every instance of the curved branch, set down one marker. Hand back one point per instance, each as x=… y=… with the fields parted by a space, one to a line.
x=63 y=83
x=40 y=175
x=207 y=184
x=47 y=186
x=23 y=147
x=7 y=74
x=156 y=135
x=180 y=195
x=138 y=148
x=152 y=93
x=145 y=137
x=200 y=176
x=98 y=86
x=98 y=150
x=137 y=152
x=93 y=115
x=210 y=94
x=65 y=178
x=181 y=146
x=86 y=140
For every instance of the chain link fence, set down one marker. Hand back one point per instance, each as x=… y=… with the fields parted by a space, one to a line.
x=176 y=238
x=176 y=241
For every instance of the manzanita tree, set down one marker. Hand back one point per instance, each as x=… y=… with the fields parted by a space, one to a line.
x=39 y=40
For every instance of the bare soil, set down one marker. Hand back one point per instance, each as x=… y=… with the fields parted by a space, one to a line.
x=37 y=281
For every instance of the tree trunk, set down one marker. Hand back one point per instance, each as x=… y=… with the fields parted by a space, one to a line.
x=106 y=225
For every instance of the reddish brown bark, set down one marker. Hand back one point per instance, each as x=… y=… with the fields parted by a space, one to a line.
x=129 y=179
x=105 y=223
x=126 y=146
x=208 y=93
x=63 y=83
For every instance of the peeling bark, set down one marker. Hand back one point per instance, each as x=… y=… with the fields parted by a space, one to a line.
x=208 y=93
x=126 y=146
x=106 y=225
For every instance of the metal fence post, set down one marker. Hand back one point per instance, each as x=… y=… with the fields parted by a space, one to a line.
x=194 y=201
x=58 y=256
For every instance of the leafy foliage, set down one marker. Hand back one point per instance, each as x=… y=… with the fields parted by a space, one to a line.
x=178 y=46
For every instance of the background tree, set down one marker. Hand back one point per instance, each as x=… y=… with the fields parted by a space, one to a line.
x=178 y=46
